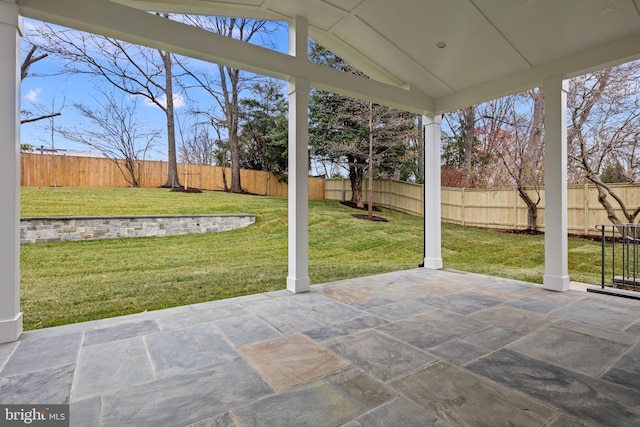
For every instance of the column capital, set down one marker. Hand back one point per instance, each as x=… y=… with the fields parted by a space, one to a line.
x=298 y=85
x=432 y=119
x=9 y=13
x=556 y=84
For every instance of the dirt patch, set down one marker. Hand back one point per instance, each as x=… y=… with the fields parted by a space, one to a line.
x=525 y=232
x=365 y=208
x=373 y=217
x=183 y=190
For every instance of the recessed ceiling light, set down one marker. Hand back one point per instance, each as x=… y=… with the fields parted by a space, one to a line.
x=441 y=45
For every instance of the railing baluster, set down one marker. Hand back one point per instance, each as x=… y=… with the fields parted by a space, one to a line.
x=602 y=259
x=629 y=255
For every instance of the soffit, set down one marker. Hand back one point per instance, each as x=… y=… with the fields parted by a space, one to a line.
x=492 y=46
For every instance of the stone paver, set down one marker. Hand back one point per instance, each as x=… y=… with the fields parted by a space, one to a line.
x=119 y=332
x=248 y=329
x=290 y=360
x=382 y=357
x=513 y=318
x=44 y=353
x=50 y=385
x=459 y=397
x=184 y=398
x=112 y=366
x=630 y=361
x=416 y=347
x=598 y=314
x=187 y=349
x=578 y=351
x=580 y=395
x=400 y=413
x=346 y=328
x=329 y=401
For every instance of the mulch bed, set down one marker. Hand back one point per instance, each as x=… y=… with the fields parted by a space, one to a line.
x=188 y=190
x=526 y=232
x=373 y=218
x=365 y=208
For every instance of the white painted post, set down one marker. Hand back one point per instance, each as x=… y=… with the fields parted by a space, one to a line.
x=298 y=277
x=10 y=315
x=432 y=213
x=556 y=277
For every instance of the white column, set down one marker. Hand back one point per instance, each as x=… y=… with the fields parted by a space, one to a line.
x=298 y=277
x=10 y=315
x=556 y=269
x=432 y=216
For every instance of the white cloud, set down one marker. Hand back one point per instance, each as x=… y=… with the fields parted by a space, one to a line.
x=178 y=101
x=33 y=95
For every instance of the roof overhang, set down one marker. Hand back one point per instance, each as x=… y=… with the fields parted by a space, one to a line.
x=494 y=47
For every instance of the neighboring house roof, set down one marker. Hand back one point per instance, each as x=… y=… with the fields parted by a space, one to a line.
x=40 y=149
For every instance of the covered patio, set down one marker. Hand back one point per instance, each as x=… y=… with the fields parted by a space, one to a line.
x=412 y=348
x=420 y=347
x=427 y=57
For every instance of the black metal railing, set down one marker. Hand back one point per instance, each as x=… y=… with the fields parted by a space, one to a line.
x=620 y=255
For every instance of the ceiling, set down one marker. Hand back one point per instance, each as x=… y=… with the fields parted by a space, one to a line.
x=493 y=47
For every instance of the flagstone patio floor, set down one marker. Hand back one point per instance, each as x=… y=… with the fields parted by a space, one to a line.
x=411 y=348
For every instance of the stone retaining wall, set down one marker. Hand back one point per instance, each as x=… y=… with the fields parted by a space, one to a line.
x=63 y=229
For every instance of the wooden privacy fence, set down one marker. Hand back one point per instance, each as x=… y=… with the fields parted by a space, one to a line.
x=42 y=170
x=402 y=196
x=503 y=208
x=491 y=208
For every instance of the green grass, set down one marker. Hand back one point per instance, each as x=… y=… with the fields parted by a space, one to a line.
x=78 y=281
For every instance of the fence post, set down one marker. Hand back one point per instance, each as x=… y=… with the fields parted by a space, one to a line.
x=586 y=209
x=464 y=215
x=515 y=208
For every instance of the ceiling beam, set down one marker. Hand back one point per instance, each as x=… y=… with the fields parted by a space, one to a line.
x=606 y=55
x=110 y=19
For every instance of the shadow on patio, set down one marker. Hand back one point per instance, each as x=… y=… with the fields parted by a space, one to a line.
x=411 y=348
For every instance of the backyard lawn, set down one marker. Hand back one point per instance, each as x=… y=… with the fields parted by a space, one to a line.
x=78 y=281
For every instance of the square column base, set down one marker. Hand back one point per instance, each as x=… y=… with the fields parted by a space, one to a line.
x=555 y=283
x=433 y=263
x=298 y=286
x=10 y=330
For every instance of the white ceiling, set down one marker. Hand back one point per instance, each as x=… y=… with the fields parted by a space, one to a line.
x=493 y=47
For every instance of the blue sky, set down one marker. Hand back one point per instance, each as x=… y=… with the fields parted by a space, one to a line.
x=61 y=92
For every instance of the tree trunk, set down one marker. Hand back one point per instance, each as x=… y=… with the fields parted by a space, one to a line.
x=230 y=96
x=370 y=180
x=532 y=209
x=355 y=176
x=173 y=179
x=470 y=121
x=236 y=186
x=224 y=178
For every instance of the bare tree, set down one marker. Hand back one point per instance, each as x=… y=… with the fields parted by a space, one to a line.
x=113 y=130
x=465 y=156
x=198 y=147
x=514 y=126
x=133 y=69
x=226 y=86
x=31 y=58
x=605 y=129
